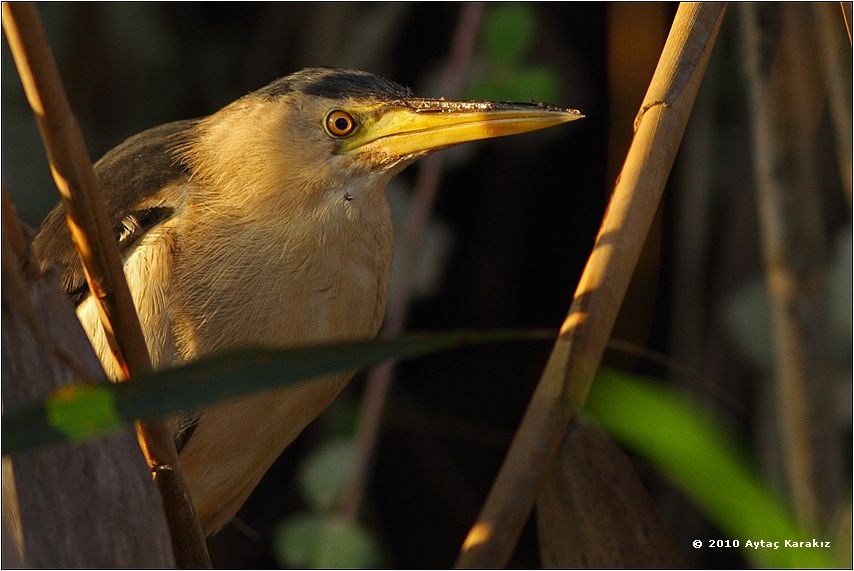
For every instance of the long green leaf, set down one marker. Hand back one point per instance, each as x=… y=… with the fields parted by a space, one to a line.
x=80 y=411
x=697 y=452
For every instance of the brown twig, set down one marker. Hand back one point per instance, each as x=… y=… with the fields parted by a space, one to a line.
x=424 y=196
x=93 y=236
x=569 y=372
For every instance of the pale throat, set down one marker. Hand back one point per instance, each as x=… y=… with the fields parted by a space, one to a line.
x=323 y=276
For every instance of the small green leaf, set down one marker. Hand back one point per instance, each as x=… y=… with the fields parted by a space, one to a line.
x=78 y=411
x=509 y=32
x=346 y=545
x=704 y=459
x=325 y=473
x=296 y=540
x=308 y=541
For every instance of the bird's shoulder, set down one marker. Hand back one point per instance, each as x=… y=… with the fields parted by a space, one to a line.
x=134 y=178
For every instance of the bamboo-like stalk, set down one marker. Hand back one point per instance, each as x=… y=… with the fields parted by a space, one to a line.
x=93 y=236
x=569 y=372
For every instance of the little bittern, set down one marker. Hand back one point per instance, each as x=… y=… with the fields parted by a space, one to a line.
x=266 y=224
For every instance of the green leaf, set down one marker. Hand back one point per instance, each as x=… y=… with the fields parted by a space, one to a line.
x=704 y=459
x=78 y=409
x=295 y=540
x=325 y=473
x=509 y=32
x=64 y=415
x=346 y=545
x=307 y=541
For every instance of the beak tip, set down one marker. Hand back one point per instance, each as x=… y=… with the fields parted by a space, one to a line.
x=567 y=115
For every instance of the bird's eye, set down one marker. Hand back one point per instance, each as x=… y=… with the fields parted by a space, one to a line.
x=340 y=123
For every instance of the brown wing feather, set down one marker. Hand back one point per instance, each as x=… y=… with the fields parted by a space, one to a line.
x=131 y=177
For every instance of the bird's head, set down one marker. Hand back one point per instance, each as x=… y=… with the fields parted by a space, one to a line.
x=330 y=129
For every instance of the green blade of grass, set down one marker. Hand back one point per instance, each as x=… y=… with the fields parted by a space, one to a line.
x=704 y=459
x=83 y=410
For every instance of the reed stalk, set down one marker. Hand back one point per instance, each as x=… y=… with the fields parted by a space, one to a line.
x=794 y=250
x=566 y=380
x=93 y=237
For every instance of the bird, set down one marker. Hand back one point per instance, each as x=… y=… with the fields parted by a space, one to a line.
x=265 y=224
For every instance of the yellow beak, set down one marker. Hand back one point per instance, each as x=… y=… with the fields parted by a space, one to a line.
x=414 y=127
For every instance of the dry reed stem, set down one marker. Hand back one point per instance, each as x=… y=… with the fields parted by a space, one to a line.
x=93 y=237
x=846 y=17
x=569 y=372
x=418 y=216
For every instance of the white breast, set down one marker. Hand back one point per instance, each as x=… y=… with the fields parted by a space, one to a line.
x=148 y=270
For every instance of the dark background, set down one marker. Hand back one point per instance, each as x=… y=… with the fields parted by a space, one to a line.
x=518 y=216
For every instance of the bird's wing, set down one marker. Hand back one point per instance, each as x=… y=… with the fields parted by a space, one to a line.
x=185 y=426
x=133 y=178
x=140 y=181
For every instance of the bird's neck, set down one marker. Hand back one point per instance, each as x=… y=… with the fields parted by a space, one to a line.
x=307 y=254
x=308 y=274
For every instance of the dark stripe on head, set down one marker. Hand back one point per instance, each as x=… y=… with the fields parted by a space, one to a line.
x=335 y=84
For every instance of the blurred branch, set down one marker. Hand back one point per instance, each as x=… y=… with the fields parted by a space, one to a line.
x=421 y=206
x=569 y=372
x=836 y=62
x=93 y=236
x=794 y=252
